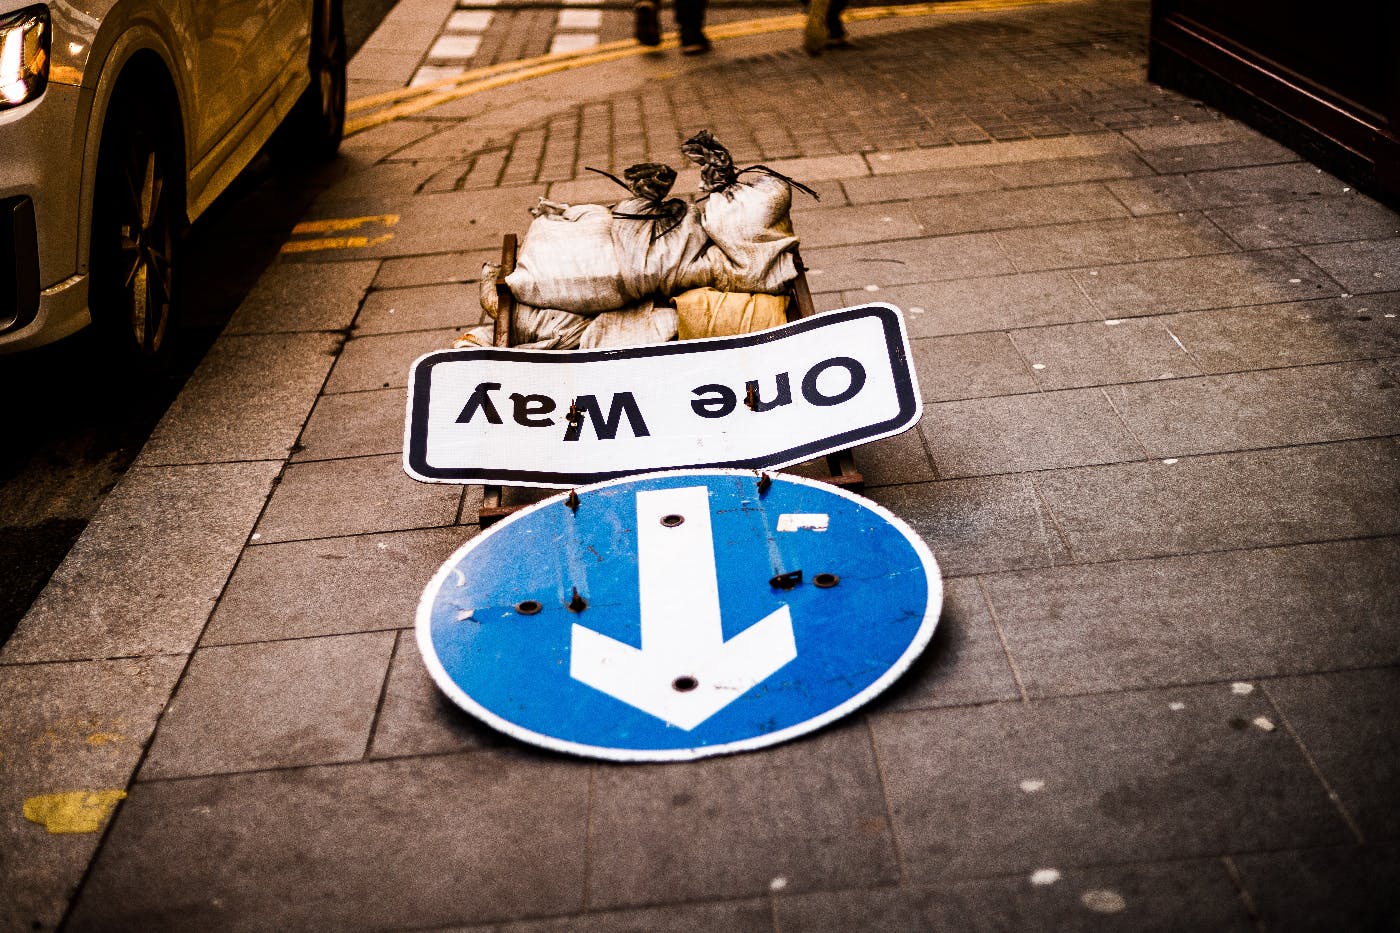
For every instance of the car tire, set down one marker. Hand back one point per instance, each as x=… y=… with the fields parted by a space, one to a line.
x=137 y=228
x=312 y=131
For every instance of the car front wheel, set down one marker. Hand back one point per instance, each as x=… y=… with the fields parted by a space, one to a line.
x=138 y=213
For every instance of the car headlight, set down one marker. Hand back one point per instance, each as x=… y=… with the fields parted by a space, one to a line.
x=24 y=55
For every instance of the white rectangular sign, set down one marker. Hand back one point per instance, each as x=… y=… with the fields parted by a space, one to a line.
x=564 y=418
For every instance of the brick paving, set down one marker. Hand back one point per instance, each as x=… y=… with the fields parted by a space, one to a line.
x=1160 y=361
x=957 y=83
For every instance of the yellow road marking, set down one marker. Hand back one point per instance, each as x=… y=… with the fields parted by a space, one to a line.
x=338 y=224
x=78 y=811
x=410 y=101
x=334 y=242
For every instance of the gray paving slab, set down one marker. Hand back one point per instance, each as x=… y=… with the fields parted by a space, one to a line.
x=1095 y=781
x=1291 y=334
x=66 y=728
x=454 y=839
x=144 y=575
x=978 y=525
x=1000 y=210
x=809 y=169
x=291 y=297
x=1064 y=171
x=1224 y=188
x=1346 y=722
x=1257 y=151
x=1304 y=223
x=434 y=268
x=926 y=184
x=898 y=459
x=969 y=366
x=384 y=140
x=1013 y=434
x=417 y=718
x=1063 y=246
x=382 y=361
x=330 y=586
x=1269 y=408
x=809 y=813
x=839 y=226
x=405 y=37
x=904 y=262
x=437 y=223
x=745 y=916
x=1354 y=888
x=396 y=64
x=964 y=665
x=1000 y=302
x=276 y=704
x=363 y=177
x=363 y=495
x=1163 y=896
x=353 y=424
x=428 y=307
x=1201 y=282
x=996 y=153
x=1252 y=499
x=1100 y=353
x=1176 y=135
x=247 y=400
x=1181 y=620
x=1363 y=266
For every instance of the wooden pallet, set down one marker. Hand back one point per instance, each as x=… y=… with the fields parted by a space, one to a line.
x=841 y=465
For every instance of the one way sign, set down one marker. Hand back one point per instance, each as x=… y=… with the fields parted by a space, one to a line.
x=679 y=615
x=564 y=418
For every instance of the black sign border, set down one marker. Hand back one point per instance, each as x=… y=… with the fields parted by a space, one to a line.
x=415 y=458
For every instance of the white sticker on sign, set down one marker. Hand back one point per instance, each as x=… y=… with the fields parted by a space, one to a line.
x=798 y=521
x=564 y=418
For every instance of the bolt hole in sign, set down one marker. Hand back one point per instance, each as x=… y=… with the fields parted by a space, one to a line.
x=564 y=418
x=681 y=614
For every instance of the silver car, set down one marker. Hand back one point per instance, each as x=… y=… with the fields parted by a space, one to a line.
x=120 y=122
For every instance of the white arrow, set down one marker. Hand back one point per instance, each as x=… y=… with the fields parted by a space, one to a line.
x=685 y=671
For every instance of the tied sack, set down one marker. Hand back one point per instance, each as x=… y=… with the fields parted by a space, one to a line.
x=706 y=312
x=750 y=225
x=661 y=245
x=568 y=262
x=645 y=323
x=748 y=218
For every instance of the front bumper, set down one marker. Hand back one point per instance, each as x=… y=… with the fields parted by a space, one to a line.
x=43 y=287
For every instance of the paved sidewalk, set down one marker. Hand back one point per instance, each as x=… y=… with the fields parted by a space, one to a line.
x=1160 y=361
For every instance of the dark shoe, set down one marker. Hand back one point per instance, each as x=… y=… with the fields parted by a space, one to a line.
x=697 y=47
x=647 y=23
x=841 y=42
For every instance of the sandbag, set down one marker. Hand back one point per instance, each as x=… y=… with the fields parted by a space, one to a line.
x=631 y=327
x=532 y=329
x=751 y=227
x=657 y=256
x=707 y=312
x=659 y=240
x=747 y=218
x=568 y=262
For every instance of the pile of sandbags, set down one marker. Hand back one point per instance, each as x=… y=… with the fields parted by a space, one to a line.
x=588 y=275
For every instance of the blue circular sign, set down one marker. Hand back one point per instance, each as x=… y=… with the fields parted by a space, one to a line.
x=677 y=615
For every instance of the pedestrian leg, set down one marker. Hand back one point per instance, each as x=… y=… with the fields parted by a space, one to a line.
x=647 y=22
x=815 y=34
x=836 y=36
x=690 y=19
